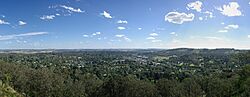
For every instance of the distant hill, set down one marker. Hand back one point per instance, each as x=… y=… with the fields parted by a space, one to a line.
x=163 y=51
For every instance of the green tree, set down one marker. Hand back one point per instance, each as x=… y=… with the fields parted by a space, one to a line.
x=191 y=88
x=169 y=88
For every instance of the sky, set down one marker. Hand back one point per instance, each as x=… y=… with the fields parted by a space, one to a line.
x=115 y=24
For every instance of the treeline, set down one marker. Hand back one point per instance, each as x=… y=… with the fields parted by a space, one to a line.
x=66 y=83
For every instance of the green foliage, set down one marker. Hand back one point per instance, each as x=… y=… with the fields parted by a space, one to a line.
x=127 y=87
x=169 y=88
x=7 y=91
x=191 y=88
x=126 y=74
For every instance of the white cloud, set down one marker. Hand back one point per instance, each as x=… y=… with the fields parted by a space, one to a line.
x=78 y=10
x=21 y=23
x=19 y=41
x=228 y=28
x=106 y=15
x=139 y=28
x=156 y=41
x=47 y=17
x=150 y=38
x=231 y=9
x=127 y=39
x=174 y=33
x=248 y=36
x=200 y=18
x=223 y=31
x=179 y=18
x=232 y=27
x=121 y=28
x=120 y=35
x=195 y=6
x=153 y=34
x=4 y=22
x=32 y=34
x=122 y=22
x=14 y=36
x=209 y=13
x=96 y=33
x=153 y=38
x=85 y=35
x=124 y=37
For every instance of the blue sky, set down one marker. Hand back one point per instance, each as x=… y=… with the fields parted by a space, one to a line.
x=97 y=24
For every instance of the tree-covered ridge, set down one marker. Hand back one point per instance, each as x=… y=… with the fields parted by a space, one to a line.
x=136 y=73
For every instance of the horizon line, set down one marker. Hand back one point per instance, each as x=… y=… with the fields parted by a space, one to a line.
x=115 y=48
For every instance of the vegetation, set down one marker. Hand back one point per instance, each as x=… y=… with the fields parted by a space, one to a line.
x=126 y=73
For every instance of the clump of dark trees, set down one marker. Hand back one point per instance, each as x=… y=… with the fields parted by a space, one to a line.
x=72 y=82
